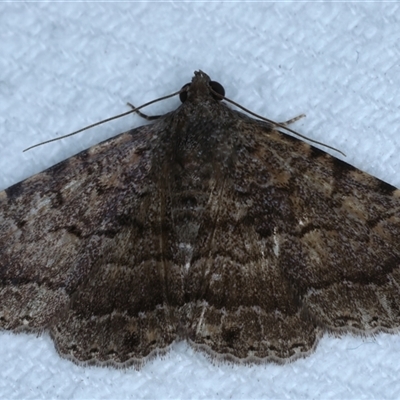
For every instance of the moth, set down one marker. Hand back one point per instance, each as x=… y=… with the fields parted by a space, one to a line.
x=208 y=226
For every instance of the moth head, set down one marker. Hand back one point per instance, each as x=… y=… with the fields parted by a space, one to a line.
x=201 y=85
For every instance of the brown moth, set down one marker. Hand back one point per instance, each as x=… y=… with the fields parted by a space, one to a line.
x=207 y=226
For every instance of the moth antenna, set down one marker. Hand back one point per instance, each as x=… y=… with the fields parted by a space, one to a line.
x=145 y=116
x=136 y=109
x=281 y=125
x=104 y=120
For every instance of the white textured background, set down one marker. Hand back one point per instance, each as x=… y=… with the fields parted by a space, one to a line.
x=66 y=65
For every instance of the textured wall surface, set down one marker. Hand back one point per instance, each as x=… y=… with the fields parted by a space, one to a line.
x=66 y=65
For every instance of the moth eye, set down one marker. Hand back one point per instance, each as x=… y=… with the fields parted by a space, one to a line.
x=183 y=94
x=218 y=88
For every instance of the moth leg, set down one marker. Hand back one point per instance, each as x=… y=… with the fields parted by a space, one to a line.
x=292 y=120
x=145 y=116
